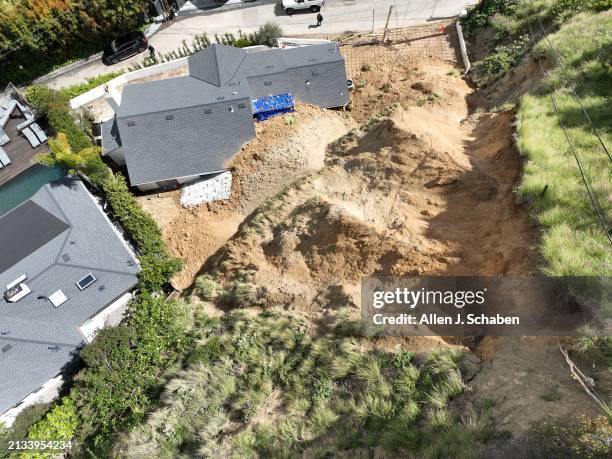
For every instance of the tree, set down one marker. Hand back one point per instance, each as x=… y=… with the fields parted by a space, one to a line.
x=87 y=161
x=267 y=34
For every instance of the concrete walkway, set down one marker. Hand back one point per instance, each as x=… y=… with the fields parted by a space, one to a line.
x=339 y=16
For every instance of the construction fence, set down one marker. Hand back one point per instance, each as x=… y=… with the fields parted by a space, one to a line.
x=436 y=40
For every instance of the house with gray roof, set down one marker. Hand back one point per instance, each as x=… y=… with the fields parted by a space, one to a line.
x=65 y=272
x=173 y=131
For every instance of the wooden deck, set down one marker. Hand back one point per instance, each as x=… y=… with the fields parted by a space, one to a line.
x=19 y=150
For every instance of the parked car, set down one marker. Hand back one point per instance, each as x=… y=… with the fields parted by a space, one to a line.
x=291 y=6
x=127 y=45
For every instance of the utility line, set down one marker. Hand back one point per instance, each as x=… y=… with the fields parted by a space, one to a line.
x=558 y=60
x=595 y=205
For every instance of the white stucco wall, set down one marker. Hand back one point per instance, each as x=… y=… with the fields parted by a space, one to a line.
x=45 y=394
x=108 y=317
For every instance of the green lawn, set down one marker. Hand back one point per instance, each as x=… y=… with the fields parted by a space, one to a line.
x=573 y=242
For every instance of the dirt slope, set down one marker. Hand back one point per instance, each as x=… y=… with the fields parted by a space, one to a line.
x=285 y=148
x=423 y=189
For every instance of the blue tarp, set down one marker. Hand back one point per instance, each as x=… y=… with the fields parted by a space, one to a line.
x=267 y=107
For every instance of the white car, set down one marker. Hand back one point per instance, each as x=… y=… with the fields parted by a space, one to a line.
x=291 y=6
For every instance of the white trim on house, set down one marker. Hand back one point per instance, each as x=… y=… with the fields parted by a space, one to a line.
x=49 y=391
x=46 y=393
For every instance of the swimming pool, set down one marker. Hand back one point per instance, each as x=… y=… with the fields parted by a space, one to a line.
x=26 y=184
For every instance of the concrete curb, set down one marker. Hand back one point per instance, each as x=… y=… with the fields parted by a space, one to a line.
x=185 y=14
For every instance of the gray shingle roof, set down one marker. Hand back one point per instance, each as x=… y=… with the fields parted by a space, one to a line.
x=40 y=338
x=216 y=64
x=174 y=93
x=27 y=227
x=221 y=77
x=111 y=137
x=192 y=142
x=304 y=56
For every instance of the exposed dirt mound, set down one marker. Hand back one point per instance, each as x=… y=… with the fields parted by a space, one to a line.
x=393 y=200
x=423 y=189
x=286 y=147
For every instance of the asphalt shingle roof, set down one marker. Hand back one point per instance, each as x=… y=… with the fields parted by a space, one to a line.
x=174 y=93
x=40 y=340
x=216 y=64
x=193 y=125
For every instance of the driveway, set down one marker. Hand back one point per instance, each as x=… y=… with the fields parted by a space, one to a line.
x=338 y=16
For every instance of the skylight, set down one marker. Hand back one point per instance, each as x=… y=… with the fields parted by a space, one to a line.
x=86 y=281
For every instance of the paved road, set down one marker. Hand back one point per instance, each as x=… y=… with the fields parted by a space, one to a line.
x=339 y=16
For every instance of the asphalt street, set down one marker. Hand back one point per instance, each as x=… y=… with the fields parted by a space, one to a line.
x=338 y=16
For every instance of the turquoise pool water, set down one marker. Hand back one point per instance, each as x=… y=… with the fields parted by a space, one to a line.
x=26 y=184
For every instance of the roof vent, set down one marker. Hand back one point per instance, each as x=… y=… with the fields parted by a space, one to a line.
x=66 y=257
x=169 y=117
x=220 y=98
x=269 y=66
x=58 y=298
x=54 y=348
x=16 y=290
x=131 y=123
x=207 y=111
x=7 y=348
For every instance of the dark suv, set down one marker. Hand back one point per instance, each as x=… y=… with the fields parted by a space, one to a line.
x=125 y=46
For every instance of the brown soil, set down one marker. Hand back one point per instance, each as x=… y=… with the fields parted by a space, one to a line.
x=425 y=188
x=281 y=153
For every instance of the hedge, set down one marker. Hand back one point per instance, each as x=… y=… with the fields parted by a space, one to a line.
x=54 y=106
x=157 y=265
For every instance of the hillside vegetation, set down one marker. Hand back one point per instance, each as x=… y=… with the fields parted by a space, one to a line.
x=38 y=36
x=567 y=46
x=574 y=242
x=264 y=387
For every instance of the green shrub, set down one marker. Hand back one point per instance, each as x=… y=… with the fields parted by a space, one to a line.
x=588 y=438
x=326 y=395
x=207 y=288
x=76 y=90
x=157 y=265
x=54 y=106
x=480 y=16
x=122 y=369
x=19 y=430
x=41 y=37
x=238 y=294
x=267 y=34
x=29 y=416
x=59 y=424
x=243 y=42
x=503 y=58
